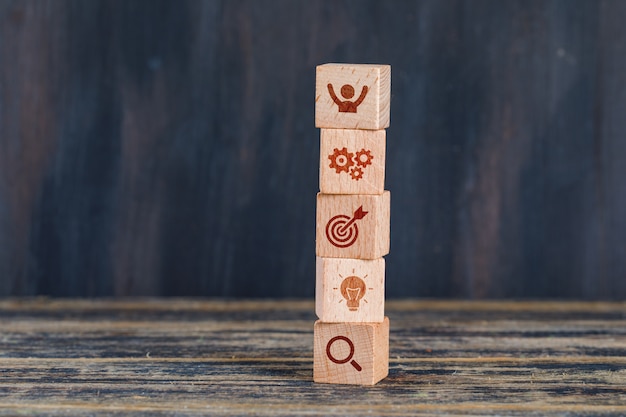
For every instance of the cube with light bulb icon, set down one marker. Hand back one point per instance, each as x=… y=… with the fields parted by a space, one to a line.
x=350 y=290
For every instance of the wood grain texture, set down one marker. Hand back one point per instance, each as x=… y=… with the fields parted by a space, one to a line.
x=191 y=357
x=352 y=161
x=169 y=148
x=350 y=290
x=350 y=353
x=352 y=96
x=352 y=226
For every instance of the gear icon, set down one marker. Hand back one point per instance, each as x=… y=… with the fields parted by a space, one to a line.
x=364 y=158
x=356 y=173
x=341 y=160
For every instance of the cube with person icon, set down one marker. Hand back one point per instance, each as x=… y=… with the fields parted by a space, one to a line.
x=352 y=96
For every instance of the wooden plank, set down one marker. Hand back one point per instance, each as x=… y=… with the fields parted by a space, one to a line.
x=517 y=385
x=174 y=305
x=196 y=357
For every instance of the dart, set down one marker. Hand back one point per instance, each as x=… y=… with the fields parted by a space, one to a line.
x=358 y=215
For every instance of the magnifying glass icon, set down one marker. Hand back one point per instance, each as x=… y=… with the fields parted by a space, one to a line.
x=347 y=358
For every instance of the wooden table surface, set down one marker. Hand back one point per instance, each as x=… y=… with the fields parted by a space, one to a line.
x=191 y=357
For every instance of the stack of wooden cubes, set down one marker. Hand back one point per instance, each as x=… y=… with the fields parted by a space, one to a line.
x=352 y=333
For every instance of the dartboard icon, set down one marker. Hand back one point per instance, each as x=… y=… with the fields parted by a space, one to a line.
x=342 y=231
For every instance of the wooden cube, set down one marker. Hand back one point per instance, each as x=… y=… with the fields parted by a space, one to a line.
x=352 y=226
x=350 y=290
x=352 y=96
x=350 y=353
x=352 y=161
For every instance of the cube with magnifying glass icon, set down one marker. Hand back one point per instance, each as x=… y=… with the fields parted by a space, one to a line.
x=351 y=353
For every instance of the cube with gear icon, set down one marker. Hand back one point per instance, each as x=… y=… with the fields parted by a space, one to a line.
x=352 y=161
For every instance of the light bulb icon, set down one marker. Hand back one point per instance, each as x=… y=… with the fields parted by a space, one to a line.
x=353 y=290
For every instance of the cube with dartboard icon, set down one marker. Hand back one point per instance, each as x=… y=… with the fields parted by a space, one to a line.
x=352 y=226
x=352 y=161
x=350 y=290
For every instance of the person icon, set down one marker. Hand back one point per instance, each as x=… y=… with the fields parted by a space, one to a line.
x=347 y=92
